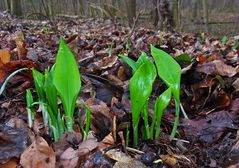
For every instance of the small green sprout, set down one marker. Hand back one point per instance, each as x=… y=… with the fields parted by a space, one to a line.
x=127 y=45
x=67 y=82
x=62 y=79
x=140 y=89
x=224 y=40
x=202 y=36
x=235 y=43
x=170 y=72
x=141 y=83
x=87 y=121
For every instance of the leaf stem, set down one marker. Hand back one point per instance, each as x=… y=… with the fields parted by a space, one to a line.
x=183 y=111
x=176 y=121
x=146 y=122
x=135 y=134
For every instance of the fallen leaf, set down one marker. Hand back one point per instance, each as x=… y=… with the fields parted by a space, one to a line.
x=38 y=155
x=235 y=84
x=8 y=68
x=21 y=46
x=10 y=164
x=210 y=129
x=69 y=158
x=87 y=146
x=217 y=67
x=13 y=141
x=5 y=55
x=123 y=160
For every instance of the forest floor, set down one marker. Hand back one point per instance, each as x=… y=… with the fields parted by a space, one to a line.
x=209 y=95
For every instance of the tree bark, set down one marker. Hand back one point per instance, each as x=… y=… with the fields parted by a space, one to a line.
x=82 y=7
x=205 y=15
x=50 y=9
x=16 y=7
x=131 y=11
x=166 y=15
x=7 y=5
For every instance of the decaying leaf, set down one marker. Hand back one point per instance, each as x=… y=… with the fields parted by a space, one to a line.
x=13 y=141
x=69 y=158
x=38 y=155
x=5 y=55
x=123 y=160
x=217 y=67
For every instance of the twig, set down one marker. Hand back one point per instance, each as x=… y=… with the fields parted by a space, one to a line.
x=134 y=24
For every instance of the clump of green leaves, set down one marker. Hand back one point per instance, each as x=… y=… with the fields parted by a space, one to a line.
x=62 y=79
x=141 y=83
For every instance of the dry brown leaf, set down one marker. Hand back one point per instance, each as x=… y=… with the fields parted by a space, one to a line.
x=169 y=160
x=108 y=139
x=8 y=68
x=87 y=146
x=21 y=46
x=38 y=155
x=123 y=160
x=217 y=67
x=10 y=164
x=69 y=158
x=5 y=55
x=235 y=84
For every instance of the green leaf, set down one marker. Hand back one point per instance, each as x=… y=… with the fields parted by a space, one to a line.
x=9 y=77
x=39 y=83
x=168 y=70
x=224 y=40
x=134 y=65
x=140 y=90
x=129 y=61
x=142 y=58
x=67 y=81
x=54 y=124
x=184 y=58
x=51 y=92
x=87 y=121
x=160 y=105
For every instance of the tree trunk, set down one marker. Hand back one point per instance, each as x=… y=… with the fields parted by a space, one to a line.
x=166 y=15
x=7 y=5
x=205 y=15
x=16 y=7
x=131 y=11
x=50 y=9
x=155 y=13
x=177 y=14
x=82 y=7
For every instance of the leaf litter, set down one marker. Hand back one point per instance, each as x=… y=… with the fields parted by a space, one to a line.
x=209 y=94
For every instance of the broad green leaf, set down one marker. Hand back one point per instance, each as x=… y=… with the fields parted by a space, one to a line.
x=134 y=65
x=67 y=81
x=140 y=89
x=142 y=58
x=129 y=61
x=39 y=83
x=160 y=105
x=50 y=90
x=168 y=70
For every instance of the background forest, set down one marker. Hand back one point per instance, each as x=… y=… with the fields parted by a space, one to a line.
x=219 y=17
